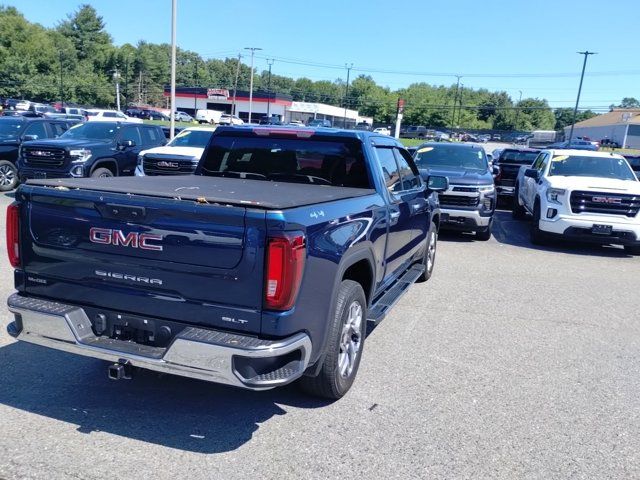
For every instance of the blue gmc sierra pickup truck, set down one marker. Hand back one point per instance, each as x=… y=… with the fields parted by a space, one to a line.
x=261 y=269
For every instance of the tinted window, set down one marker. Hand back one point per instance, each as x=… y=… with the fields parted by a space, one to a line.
x=538 y=161
x=410 y=179
x=526 y=158
x=151 y=136
x=37 y=128
x=338 y=162
x=131 y=133
x=92 y=130
x=58 y=128
x=109 y=114
x=387 y=161
x=10 y=129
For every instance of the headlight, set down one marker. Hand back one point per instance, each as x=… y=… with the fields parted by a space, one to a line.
x=554 y=195
x=79 y=156
x=486 y=188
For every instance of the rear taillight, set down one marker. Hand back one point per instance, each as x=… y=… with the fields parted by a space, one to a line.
x=285 y=264
x=13 y=234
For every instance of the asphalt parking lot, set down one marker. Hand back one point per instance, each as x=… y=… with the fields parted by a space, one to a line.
x=513 y=361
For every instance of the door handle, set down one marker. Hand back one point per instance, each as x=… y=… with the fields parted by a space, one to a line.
x=394 y=215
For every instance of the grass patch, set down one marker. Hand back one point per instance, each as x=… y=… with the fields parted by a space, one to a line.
x=163 y=123
x=412 y=142
x=622 y=151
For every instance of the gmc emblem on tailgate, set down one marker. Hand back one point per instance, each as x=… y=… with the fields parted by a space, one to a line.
x=108 y=236
x=611 y=200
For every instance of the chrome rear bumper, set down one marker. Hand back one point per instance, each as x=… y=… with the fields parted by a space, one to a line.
x=205 y=354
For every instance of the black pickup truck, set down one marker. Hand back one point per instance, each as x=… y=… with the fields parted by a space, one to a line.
x=262 y=268
x=91 y=149
x=509 y=163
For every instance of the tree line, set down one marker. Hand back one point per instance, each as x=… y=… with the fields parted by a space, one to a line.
x=77 y=62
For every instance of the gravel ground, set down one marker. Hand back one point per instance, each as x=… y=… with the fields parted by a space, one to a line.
x=512 y=362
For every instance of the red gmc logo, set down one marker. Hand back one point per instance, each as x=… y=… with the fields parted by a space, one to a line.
x=108 y=236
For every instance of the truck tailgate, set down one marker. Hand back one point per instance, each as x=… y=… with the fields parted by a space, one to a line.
x=167 y=258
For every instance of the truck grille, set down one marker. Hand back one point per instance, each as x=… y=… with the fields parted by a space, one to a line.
x=154 y=166
x=43 y=156
x=605 y=202
x=458 y=201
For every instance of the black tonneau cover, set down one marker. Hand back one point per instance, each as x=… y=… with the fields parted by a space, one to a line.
x=234 y=191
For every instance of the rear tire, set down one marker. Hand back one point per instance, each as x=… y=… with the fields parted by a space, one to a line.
x=8 y=176
x=632 y=250
x=101 y=173
x=344 y=345
x=429 y=254
x=517 y=211
x=537 y=236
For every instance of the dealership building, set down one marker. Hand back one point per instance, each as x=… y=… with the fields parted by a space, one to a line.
x=619 y=125
x=190 y=99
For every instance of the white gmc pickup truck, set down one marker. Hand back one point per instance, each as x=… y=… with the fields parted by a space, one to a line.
x=582 y=195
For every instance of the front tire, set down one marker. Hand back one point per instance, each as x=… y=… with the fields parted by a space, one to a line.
x=101 y=173
x=633 y=250
x=429 y=254
x=537 y=236
x=8 y=176
x=517 y=212
x=344 y=345
x=484 y=235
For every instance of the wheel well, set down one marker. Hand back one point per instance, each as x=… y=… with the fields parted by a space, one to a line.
x=360 y=272
x=110 y=164
x=436 y=220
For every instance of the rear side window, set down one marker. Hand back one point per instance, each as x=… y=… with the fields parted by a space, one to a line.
x=390 y=172
x=58 y=128
x=109 y=114
x=334 y=161
x=150 y=136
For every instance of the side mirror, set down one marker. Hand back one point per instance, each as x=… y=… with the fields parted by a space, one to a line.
x=490 y=158
x=27 y=138
x=436 y=183
x=532 y=173
x=127 y=144
x=495 y=169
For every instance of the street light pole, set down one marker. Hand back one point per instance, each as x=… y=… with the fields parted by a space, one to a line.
x=253 y=50
x=348 y=66
x=61 y=89
x=195 y=88
x=518 y=110
x=575 y=110
x=269 y=62
x=460 y=110
x=172 y=116
x=455 y=100
x=116 y=77
x=235 y=87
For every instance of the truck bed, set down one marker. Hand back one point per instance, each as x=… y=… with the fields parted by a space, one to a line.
x=219 y=190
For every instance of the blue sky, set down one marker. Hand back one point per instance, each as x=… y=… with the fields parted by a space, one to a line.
x=500 y=45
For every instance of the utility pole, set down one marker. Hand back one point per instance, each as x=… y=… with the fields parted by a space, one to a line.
x=460 y=100
x=518 y=110
x=269 y=62
x=172 y=114
x=126 y=81
x=116 y=77
x=455 y=100
x=253 y=50
x=348 y=66
x=195 y=88
x=586 y=54
x=61 y=87
x=235 y=87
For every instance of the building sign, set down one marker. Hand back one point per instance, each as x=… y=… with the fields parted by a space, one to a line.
x=213 y=93
x=400 y=106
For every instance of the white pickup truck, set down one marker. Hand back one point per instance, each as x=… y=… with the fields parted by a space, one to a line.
x=581 y=195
